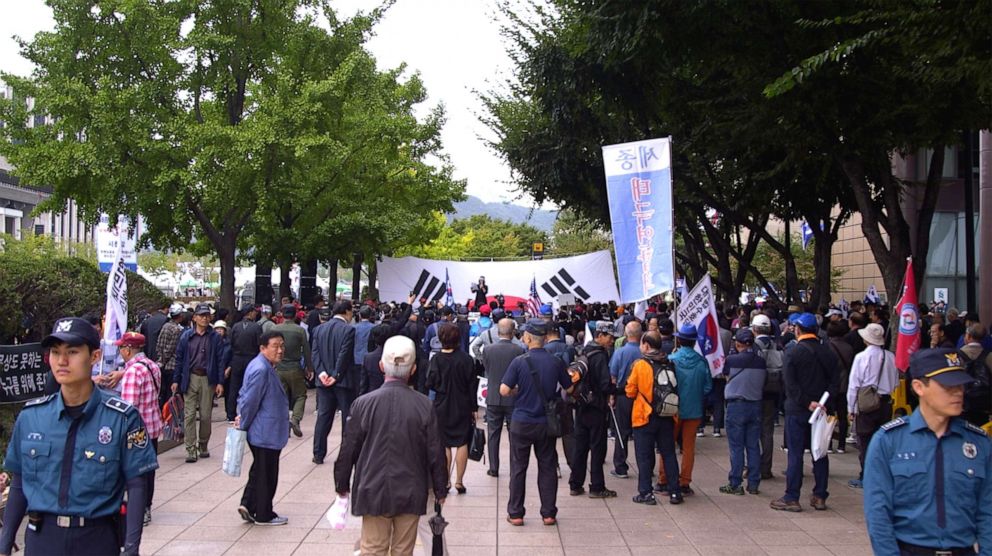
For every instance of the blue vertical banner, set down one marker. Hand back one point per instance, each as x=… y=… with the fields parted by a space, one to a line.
x=639 y=188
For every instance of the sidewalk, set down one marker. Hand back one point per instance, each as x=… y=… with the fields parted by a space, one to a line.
x=196 y=511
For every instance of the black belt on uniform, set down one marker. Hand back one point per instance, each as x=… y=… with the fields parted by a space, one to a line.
x=75 y=521
x=732 y=400
x=199 y=372
x=922 y=550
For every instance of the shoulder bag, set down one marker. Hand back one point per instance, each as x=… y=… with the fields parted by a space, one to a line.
x=553 y=406
x=868 y=399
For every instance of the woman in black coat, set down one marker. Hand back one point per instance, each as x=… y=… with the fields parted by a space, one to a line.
x=452 y=378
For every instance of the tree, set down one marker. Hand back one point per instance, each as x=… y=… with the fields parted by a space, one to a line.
x=178 y=111
x=574 y=234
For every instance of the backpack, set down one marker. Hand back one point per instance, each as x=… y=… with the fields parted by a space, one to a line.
x=774 y=363
x=582 y=393
x=664 y=389
x=978 y=394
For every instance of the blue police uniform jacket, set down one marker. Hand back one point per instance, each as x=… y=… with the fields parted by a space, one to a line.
x=263 y=406
x=930 y=492
x=111 y=447
x=215 y=359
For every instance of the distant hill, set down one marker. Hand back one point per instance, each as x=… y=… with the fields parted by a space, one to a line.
x=543 y=220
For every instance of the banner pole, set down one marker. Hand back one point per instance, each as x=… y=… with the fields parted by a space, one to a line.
x=675 y=297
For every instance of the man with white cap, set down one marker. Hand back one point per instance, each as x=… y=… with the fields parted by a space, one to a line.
x=393 y=444
x=875 y=366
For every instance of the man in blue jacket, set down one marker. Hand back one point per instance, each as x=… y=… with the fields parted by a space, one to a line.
x=198 y=376
x=262 y=410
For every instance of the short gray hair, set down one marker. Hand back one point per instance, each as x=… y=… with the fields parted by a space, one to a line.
x=505 y=327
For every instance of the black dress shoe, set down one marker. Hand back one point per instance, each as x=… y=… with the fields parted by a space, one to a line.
x=318 y=461
x=492 y=473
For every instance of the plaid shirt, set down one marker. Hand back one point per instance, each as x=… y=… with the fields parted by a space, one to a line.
x=165 y=347
x=139 y=387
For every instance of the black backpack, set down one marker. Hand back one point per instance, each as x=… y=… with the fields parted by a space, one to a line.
x=664 y=388
x=582 y=393
x=978 y=394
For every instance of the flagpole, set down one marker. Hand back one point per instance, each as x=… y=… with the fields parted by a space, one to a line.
x=675 y=297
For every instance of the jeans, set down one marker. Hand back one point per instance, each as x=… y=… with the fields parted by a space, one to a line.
x=658 y=434
x=716 y=397
x=329 y=400
x=623 y=410
x=798 y=433
x=522 y=437
x=743 y=435
x=590 y=444
x=769 y=409
x=495 y=416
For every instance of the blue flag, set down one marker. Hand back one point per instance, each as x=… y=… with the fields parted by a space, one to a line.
x=807 y=234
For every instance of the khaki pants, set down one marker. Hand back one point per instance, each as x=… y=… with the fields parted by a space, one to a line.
x=389 y=536
x=199 y=396
x=296 y=391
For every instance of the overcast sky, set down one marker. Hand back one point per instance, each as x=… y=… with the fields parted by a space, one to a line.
x=454 y=44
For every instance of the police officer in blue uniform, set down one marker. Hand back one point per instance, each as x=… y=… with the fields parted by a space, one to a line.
x=71 y=456
x=928 y=477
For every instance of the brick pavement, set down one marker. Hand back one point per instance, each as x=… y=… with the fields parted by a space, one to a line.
x=195 y=512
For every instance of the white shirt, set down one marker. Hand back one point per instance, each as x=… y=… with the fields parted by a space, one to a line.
x=865 y=371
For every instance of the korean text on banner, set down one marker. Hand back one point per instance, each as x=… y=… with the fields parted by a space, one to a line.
x=639 y=189
x=107 y=238
x=115 y=320
x=24 y=373
x=699 y=309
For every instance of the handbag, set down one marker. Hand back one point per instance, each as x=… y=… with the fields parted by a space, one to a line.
x=477 y=446
x=553 y=407
x=868 y=399
x=234 y=451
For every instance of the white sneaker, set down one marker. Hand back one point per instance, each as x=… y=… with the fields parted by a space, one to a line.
x=277 y=520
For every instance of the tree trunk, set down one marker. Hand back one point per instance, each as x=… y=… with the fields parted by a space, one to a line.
x=308 y=281
x=226 y=253
x=285 y=286
x=791 y=275
x=332 y=279
x=263 y=282
x=373 y=277
x=820 y=295
x=356 y=277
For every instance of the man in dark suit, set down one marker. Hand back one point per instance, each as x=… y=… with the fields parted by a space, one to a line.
x=152 y=326
x=496 y=359
x=333 y=352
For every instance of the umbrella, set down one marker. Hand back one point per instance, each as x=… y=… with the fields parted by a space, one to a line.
x=437 y=524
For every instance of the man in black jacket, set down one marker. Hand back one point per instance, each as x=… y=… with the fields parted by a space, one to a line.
x=151 y=327
x=591 y=415
x=811 y=369
x=333 y=352
x=244 y=347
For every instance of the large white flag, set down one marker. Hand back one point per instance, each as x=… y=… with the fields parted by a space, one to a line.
x=699 y=308
x=115 y=320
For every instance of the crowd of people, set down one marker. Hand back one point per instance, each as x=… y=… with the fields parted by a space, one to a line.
x=404 y=377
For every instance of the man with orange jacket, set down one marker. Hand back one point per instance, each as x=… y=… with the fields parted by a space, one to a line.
x=650 y=430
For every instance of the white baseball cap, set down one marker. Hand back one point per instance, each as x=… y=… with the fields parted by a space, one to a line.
x=399 y=350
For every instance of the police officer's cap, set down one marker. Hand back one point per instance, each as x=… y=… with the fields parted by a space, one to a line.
x=498 y=314
x=744 y=336
x=288 y=311
x=942 y=364
x=74 y=332
x=202 y=309
x=247 y=308
x=536 y=327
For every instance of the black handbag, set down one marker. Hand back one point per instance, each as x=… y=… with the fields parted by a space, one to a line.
x=477 y=447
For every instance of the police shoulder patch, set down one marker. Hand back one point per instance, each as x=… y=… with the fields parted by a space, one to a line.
x=975 y=428
x=41 y=400
x=118 y=404
x=898 y=422
x=137 y=438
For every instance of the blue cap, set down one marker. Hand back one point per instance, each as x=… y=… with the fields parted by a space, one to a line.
x=793 y=318
x=535 y=327
x=744 y=336
x=942 y=364
x=546 y=309
x=807 y=321
x=687 y=332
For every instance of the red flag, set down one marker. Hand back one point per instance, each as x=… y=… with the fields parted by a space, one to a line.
x=909 y=320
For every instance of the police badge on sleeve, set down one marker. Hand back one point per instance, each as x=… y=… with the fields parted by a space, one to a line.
x=137 y=438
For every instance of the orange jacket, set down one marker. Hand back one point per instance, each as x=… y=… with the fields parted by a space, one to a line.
x=640 y=387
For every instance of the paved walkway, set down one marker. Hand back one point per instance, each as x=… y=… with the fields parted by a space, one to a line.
x=195 y=512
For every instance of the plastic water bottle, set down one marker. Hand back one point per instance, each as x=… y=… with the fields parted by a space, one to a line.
x=337 y=515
